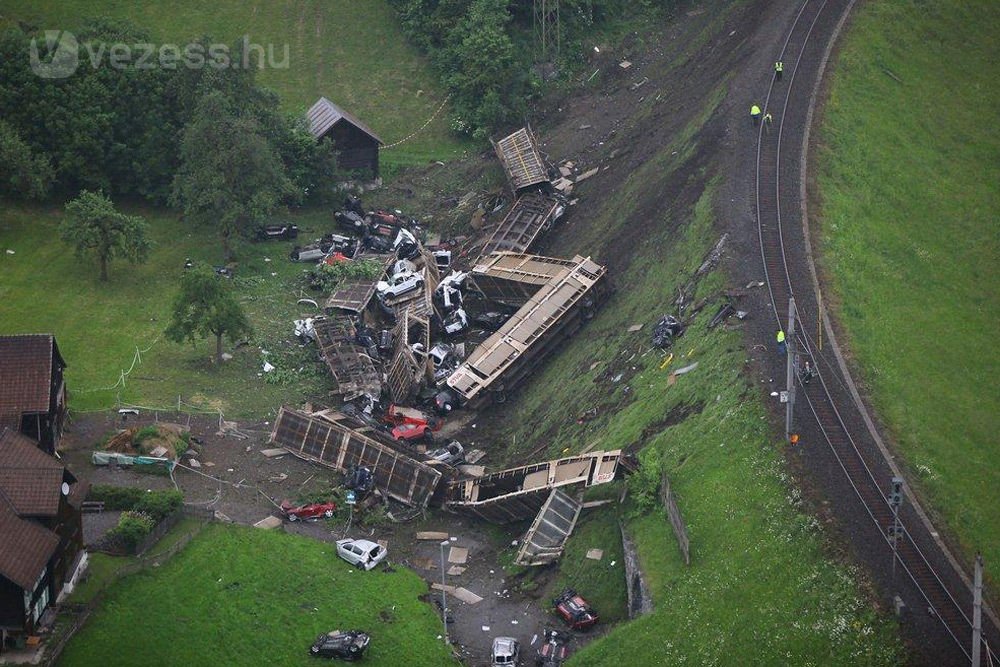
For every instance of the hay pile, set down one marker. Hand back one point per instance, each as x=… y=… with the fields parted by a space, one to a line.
x=161 y=439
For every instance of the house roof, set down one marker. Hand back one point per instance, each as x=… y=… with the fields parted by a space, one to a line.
x=25 y=549
x=325 y=114
x=30 y=480
x=25 y=375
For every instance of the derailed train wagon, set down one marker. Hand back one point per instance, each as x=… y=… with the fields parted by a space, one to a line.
x=518 y=493
x=561 y=302
x=337 y=446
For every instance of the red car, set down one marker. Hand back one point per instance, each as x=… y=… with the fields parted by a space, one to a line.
x=309 y=511
x=576 y=611
x=411 y=432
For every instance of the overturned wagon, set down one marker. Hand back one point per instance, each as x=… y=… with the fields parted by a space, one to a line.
x=518 y=493
x=563 y=295
x=337 y=446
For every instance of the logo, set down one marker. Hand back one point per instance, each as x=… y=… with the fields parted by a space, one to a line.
x=65 y=55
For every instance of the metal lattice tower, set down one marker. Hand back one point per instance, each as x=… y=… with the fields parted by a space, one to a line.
x=547 y=30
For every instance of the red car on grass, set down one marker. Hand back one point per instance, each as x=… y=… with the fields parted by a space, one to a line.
x=576 y=611
x=309 y=511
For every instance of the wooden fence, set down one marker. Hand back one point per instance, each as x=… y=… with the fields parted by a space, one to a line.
x=676 y=521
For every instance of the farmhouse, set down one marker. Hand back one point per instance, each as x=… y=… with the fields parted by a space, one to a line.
x=357 y=146
x=40 y=520
x=32 y=390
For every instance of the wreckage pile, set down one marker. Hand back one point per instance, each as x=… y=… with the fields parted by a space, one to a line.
x=428 y=332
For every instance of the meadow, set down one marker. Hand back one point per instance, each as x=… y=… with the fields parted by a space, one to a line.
x=908 y=172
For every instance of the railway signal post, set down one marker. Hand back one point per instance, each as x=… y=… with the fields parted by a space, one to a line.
x=977 y=612
x=895 y=500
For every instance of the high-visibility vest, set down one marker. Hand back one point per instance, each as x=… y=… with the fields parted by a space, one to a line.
x=755 y=110
x=781 y=336
x=778 y=66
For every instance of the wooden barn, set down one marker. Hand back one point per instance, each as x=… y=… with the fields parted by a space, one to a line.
x=32 y=390
x=357 y=146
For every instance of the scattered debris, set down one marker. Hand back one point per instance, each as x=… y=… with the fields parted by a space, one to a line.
x=595 y=554
x=625 y=64
x=666 y=330
x=686 y=369
x=458 y=555
x=466 y=596
x=635 y=327
x=431 y=535
x=456 y=570
x=587 y=174
x=268 y=523
x=273 y=453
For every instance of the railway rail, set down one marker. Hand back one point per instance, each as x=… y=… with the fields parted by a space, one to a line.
x=834 y=410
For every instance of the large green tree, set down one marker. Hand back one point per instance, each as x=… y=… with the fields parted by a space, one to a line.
x=93 y=225
x=23 y=172
x=207 y=305
x=230 y=176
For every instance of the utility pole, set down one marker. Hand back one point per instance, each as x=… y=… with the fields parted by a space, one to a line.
x=547 y=28
x=895 y=500
x=790 y=367
x=444 y=599
x=977 y=612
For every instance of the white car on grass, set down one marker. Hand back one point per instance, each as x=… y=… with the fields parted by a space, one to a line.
x=365 y=554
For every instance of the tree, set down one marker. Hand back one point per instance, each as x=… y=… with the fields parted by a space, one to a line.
x=92 y=224
x=230 y=174
x=22 y=171
x=207 y=305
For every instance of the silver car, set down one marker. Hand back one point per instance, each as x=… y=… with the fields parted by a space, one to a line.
x=505 y=652
x=363 y=553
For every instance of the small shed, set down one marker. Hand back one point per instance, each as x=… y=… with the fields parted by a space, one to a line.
x=357 y=146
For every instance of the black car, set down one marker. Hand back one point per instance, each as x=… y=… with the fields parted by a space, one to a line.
x=282 y=231
x=360 y=480
x=491 y=321
x=350 y=220
x=346 y=645
x=666 y=330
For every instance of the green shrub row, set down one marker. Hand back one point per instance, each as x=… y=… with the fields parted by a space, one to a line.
x=155 y=504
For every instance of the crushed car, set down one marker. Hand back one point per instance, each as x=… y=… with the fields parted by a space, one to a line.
x=666 y=330
x=360 y=480
x=451 y=454
x=346 y=645
x=399 y=285
x=364 y=554
x=308 y=511
x=456 y=323
x=553 y=650
x=574 y=610
x=506 y=652
x=283 y=232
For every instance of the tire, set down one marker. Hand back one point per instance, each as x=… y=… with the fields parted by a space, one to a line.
x=428 y=436
x=401 y=440
x=328 y=514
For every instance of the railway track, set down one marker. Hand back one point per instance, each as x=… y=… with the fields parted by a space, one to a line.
x=828 y=403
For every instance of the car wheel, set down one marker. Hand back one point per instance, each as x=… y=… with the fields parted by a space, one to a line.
x=328 y=513
x=428 y=436
x=401 y=440
x=292 y=517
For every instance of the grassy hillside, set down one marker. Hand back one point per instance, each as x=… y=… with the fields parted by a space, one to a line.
x=759 y=590
x=267 y=595
x=352 y=52
x=908 y=176
x=44 y=287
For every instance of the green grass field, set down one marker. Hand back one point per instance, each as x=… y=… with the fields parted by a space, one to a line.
x=760 y=589
x=44 y=287
x=908 y=177
x=244 y=596
x=351 y=52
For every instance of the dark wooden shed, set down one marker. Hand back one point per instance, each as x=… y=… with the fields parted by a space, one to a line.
x=357 y=146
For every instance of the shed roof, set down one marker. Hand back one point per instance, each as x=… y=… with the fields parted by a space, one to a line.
x=325 y=114
x=30 y=480
x=25 y=374
x=25 y=549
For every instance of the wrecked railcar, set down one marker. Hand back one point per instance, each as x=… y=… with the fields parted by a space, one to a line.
x=556 y=310
x=519 y=493
x=335 y=445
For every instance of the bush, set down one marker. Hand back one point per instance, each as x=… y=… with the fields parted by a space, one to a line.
x=156 y=504
x=160 y=504
x=144 y=434
x=132 y=528
x=116 y=497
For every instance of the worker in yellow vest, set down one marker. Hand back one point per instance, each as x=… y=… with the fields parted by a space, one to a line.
x=781 y=342
x=755 y=114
